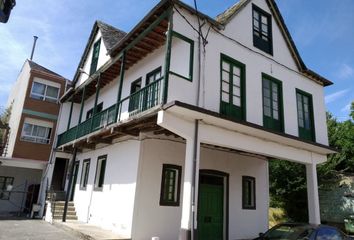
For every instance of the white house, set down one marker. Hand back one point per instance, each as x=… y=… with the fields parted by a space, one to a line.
x=171 y=127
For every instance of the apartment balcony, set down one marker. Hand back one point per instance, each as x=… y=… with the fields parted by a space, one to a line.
x=135 y=105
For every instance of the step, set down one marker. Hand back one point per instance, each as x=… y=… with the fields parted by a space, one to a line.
x=61 y=215
x=62 y=212
x=61 y=209
x=62 y=203
x=67 y=217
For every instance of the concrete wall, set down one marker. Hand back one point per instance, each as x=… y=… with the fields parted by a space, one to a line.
x=151 y=219
x=20 y=175
x=281 y=66
x=111 y=208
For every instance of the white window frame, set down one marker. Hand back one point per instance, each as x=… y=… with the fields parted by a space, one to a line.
x=45 y=97
x=36 y=139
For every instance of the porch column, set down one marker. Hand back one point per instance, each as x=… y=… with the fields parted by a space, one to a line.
x=120 y=87
x=71 y=112
x=190 y=187
x=97 y=94
x=82 y=104
x=167 y=56
x=312 y=194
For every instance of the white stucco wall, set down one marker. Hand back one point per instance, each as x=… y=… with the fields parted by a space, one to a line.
x=280 y=66
x=111 y=208
x=17 y=98
x=151 y=219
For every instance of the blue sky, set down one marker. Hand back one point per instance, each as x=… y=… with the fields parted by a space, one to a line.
x=322 y=30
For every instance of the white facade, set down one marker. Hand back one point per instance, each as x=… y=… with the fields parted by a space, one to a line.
x=129 y=202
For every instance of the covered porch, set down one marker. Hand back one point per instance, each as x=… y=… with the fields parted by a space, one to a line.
x=201 y=127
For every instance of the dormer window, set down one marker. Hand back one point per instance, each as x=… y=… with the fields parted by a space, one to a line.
x=262 y=30
x=95 y=55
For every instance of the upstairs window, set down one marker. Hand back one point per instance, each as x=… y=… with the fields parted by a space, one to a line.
x=95 y=55
x=44 y=92
x=272 y=103
x=262 y=30
x=170 y=185
x=153 y=76
x=135 y=98
x=305 y=115
x=100 y=172
x=35 y=133
x=99 y=108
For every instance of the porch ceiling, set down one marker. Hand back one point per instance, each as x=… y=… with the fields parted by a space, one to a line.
x=189 y=112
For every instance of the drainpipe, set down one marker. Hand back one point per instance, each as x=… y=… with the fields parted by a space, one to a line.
x=67 y=195
x=195 y=181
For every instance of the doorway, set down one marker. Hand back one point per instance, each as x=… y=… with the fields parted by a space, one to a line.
x=58 y=180
x=213 y=205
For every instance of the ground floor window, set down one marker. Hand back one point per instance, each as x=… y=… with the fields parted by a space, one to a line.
x=248 y=192
x=6 y=184
x=170 y=185
x=100 y=172
x=84 y=174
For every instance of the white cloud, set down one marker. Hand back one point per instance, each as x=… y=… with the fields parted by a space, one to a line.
x=346 y=108
x=336 y=95
x=345 y=71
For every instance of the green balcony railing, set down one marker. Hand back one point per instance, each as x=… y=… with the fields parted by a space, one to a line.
x=140 y=101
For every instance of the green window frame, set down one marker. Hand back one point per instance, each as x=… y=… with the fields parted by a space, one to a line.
x=232 y=88
x=262 y=29
x=95 y=56
x=191 y=56
x=170 y=185
x=305 y=116
x=99 y=108
x=154 y=75
x=100 y=172
x=5 y=182
x=85 y=170
x=272 y=94
x=248 y=192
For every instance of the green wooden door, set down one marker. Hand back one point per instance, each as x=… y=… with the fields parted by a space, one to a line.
x=211 y=210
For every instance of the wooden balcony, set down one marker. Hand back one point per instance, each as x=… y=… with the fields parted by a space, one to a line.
x=133 y=105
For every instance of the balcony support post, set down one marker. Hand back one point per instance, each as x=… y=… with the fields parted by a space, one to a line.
x=168 y=55
x=71 y=113
x=98 y=86
x=120 y=87
x=82 y=104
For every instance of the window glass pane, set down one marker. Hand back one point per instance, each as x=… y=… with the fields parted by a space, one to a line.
x=267 y=111
x=225 y=87
x=236 y=80
x=52 y=92
x=266 y=102
x=255 y=14
x=38 y=88
x=264 y=20
x=226 y=66
x=275 y=114
x=236 y=71
x=236 y=91
x=236 y=101
x=225 y=76
x=225 y=97
x=27 y=129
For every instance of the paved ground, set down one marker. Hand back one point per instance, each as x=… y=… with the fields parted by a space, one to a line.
x=24 y=229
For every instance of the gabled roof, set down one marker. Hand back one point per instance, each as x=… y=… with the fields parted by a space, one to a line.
x=225 y=17
x=110 y=37
x=37 y=67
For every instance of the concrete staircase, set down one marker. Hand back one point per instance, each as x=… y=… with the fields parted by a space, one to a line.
x=58 y=211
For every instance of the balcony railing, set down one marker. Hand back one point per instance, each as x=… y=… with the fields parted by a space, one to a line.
x=140 y=101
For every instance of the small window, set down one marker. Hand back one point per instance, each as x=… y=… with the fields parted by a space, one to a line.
x=35 y=133
x=153 y=76
x=170 y=185
x=135 y=98
x=305 y=115
x=272 y=103
x=44 y=92
x=6 y=184
x=328 y=233
x=248 y=192
x=262 y=30
x=100 y=172
x=99 y=108
x=84 y=174
x=95 y=55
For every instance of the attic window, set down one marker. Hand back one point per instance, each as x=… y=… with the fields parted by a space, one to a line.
x=95 y=55
x=262 y=30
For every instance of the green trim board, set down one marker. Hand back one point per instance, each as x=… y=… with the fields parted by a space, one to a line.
x=305 y=115
x=232 y=88
x=191 y=56
x=272 y=97
x=40 y=114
